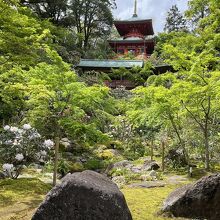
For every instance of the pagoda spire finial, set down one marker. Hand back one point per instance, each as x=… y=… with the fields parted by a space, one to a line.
x=135 y=9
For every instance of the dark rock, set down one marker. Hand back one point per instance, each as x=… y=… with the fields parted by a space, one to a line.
x=150 y=165
x=3 y=175
x=200 y=200
x=176 y=157
x=84 y=196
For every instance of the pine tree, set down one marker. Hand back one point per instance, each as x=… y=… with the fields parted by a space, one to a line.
x=175 y=21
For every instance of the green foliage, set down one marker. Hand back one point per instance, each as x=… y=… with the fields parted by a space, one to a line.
x=63 y=167
x=75 y=167
x=137 y=75
x=24 y=39
x=87 y=20
x=94 y=164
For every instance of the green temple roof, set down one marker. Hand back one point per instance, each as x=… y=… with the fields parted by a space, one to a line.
x=110 y=63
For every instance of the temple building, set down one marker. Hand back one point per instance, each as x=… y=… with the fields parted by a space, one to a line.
x=135 y=45
x=136 y=37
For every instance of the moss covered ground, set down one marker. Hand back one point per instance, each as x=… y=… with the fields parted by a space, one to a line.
x=19 y=199
x=145 y=204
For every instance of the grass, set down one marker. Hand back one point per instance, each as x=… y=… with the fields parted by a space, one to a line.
x=19 y=199
x=145 y=204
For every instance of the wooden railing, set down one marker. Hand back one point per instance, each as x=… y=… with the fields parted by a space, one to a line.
x=117 y=83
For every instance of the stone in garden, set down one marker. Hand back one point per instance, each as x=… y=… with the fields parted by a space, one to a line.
x=3 y=175
x=136 y=169
x=65 y=142
x=124 y=164
x=84 y=196
x=147 y=185
x=150 y=165
x=153 y=174
x=198 y=201
x=176 y=156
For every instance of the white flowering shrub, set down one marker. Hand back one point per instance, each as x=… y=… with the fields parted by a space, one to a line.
x=22 y=146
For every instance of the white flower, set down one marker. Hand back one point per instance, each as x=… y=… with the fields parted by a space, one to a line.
x=20 y=131
x=6 y=127
x=48 y=143
x=43 y=153
x=26 y=126
x=7 y=166
x=19 y=157
x=13 y=129
x=38 y=155
x=8 y=142
x=15 y=142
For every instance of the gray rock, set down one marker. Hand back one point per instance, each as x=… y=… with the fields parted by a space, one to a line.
x=136 y=169
x=119 y=165
x=3 y=175
x=197 y=201
x=36 y=166
x=147 y=185
x=153 y=173
x=150 y=165
x=114 y=152
x=122 y=164
x=65 y=142
x=84 y=196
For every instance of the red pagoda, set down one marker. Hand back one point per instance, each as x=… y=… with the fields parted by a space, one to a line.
x=136 y=37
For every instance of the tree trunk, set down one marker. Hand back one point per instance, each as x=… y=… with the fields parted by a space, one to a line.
x=57 y=143
x=163 y=155
x=207 y=159
x=152 y=150
x=182 y=144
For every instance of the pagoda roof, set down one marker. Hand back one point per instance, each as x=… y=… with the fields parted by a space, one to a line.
x=144 y=26
x=86 y=63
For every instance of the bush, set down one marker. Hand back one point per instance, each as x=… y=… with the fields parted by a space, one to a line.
x=22 y=146
x=94 y=164
x=76 y=167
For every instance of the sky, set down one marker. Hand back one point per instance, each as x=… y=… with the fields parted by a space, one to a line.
x=149 y=9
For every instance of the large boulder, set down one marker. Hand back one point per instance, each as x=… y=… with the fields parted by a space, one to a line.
x=200 y=200
x=84 y=196
x=176 y=157
x=124 y=164
x=150 y=165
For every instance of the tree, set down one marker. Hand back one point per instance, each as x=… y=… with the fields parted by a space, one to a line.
x=156 y=106
x=175 y=21
x=23 y=38
x=90 y=20
x=198 y=9
x=55 y=10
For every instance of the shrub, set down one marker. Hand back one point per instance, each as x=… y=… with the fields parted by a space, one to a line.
x=94 y=164
x=22 y=146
